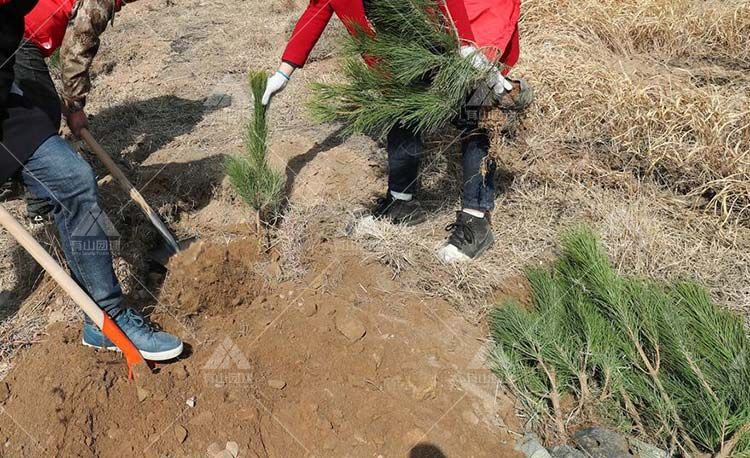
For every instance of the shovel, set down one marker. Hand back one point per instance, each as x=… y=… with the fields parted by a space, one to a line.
x=171 y=247
x=136 y=364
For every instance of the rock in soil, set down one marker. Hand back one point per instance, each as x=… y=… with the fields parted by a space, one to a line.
x=214 y=450
x=180 y=433
x=602 y=443
x=233 y=448
x=532 y=447
x=4 y=392
x=350 y=327
x=277 y=384
x=566 y=451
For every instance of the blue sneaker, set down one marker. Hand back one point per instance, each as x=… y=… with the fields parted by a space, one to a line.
x=153 y=345
x=93 y=337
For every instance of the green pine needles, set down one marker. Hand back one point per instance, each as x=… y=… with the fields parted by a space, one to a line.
x=418 y=79
x=657 y=360
x=252 y=178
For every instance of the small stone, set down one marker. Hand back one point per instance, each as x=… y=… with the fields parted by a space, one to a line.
x=114 y=433
x=181 y=373
x=89 y=441
x=470 y=417
x=180 y=433
x=214 y=449
x=308 y=309
x=566 y=451
x=224 y=454
x=4 y=391
x=350 y=327
x=277 y=384
x=238 y=301
x=233 y=448
x=191 y=401
x=143 y=394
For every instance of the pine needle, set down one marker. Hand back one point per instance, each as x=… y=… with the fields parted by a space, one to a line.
x=677 y=365
x=252 y=178
x=417 y=78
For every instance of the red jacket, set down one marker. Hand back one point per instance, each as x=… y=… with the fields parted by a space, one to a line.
x=47 y=22
x=351 y=12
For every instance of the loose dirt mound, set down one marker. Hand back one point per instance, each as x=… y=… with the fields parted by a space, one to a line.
x=210 y=278
x=341 y=363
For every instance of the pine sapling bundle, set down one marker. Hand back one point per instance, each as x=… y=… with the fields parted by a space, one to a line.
x=253 y=179
x=657 y=360
x=412 y=73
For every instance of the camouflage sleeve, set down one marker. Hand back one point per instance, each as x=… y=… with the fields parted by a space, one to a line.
x=81 y=43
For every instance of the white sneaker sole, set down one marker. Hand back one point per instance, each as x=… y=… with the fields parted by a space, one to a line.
x=449 y=254
x=147 y=355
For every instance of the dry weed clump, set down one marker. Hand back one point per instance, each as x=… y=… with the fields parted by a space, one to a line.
x=655 y=87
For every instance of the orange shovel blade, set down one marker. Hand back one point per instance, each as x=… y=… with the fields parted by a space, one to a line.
x=132 y=356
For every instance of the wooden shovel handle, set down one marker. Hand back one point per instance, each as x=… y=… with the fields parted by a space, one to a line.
x=79 y=296
x=128 y=187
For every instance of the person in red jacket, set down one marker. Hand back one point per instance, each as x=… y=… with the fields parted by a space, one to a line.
x=53 y=172
x=487 y=24
x=73 y=27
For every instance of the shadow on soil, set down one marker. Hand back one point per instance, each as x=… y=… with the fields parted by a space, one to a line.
x=169 y=188
x=425 y=450
x=297 y=163
x=135 y=130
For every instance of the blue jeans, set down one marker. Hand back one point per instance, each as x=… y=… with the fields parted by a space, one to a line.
x=60 y=176
x=404 y=153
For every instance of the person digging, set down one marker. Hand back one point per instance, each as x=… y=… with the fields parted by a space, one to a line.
x=73 y=27
x=471 y=233
x=53 y=172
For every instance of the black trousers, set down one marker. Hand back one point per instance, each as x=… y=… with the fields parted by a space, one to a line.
x=32 y=76
x=404 y=153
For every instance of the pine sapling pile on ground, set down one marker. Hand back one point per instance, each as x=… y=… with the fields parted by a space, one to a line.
x=657 y=360
x=412 y=73
x=259 y=185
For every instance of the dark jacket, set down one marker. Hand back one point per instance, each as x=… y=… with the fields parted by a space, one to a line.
x=22 y=127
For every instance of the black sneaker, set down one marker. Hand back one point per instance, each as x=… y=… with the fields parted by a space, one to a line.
x=470 y=237
x=408 y=212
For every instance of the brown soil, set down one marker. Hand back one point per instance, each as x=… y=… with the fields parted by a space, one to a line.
x=340 y=363
x=209 y=279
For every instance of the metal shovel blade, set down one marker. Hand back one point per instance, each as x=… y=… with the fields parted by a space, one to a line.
x=164 y=253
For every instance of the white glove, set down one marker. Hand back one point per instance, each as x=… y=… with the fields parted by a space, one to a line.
x=477 y=58
x=495 y=80
x=276 y=83
x=503 y=85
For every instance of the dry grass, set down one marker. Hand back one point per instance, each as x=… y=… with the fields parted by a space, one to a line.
x=646 y=229
x=659 y=88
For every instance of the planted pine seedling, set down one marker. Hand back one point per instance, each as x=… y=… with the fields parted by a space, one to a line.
x=259 y=185
x=652 y=359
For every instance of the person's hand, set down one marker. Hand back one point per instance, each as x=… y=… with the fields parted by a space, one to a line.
x=276 y=83
x=502 y=86
x=77 y=120
x=495 y=79
x=477 y=58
